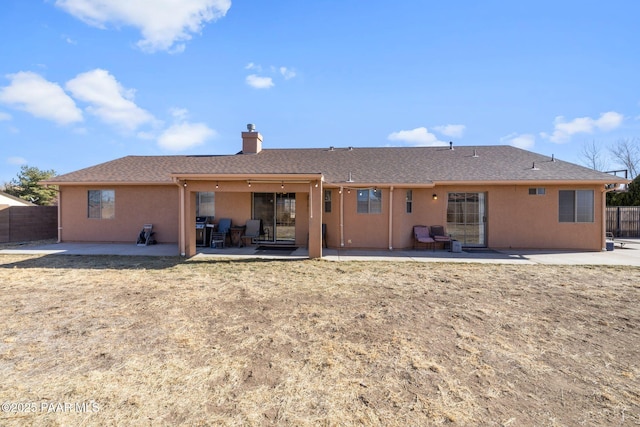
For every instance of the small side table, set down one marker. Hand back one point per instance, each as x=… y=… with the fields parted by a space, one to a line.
x=235 y=234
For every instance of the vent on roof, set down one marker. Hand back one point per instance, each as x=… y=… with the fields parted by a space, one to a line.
x=475 y=153
x=350 y=148
x=251 y=127
x=332 y=148
x=450 y=145
x=534 y=168
x=553 y=158
x=350 y=177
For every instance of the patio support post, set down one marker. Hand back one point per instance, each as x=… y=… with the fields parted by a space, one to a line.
x=341 y=217
x=391 y=218
x=181 y=222
x=189 y=222
x=315 y=222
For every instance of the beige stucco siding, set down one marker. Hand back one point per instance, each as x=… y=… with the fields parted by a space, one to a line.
x=134 y=206
x=515 y=219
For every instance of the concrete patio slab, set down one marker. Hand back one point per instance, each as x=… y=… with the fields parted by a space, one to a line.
x=628 y=255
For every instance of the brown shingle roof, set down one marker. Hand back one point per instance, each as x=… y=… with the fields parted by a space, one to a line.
x=384 y=165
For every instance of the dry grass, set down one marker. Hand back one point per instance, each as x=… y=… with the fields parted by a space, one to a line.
x=161 y=341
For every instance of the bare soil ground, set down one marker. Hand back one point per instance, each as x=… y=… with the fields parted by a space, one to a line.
x=163 y=341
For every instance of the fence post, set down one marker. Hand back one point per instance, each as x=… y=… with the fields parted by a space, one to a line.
x=618 y=222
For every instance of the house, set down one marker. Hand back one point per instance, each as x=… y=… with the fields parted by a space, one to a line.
x=485 y=196
x=9 y=200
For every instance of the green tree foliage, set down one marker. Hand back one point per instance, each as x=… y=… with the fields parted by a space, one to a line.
x=26 y=185
x=628 y=198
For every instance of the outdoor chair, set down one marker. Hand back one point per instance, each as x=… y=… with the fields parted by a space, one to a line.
x=223 y=227
x=253 y=230
x=218 y=239
x=421 y=236
x=438 y=234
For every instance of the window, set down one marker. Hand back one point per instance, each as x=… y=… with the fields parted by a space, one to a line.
x=205 y=203
x=370 y=201
x=575 y=206
x=327 y=201
x=540 y=191
x=102 y=204
x=409 y=201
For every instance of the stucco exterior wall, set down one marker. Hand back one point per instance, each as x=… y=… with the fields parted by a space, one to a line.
x=134 y=207
x=515 y=219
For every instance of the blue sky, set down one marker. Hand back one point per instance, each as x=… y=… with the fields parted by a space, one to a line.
x=82 y=82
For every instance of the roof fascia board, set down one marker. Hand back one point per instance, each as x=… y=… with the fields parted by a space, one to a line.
x=534 y=182
x=242 y=177
x=104 y=183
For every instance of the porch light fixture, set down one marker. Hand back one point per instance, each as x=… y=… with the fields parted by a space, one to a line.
x=282 y=185
x=249 y=184
x=434 y=196
x=185 y=184
x=217 y=185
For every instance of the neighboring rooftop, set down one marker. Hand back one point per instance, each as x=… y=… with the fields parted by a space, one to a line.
x=384 y=165
x=8 y=199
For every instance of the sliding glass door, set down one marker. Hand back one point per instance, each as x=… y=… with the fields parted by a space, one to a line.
x=466 y=218
x=278 y=214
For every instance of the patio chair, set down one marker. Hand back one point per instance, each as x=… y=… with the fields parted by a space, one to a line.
x=218 y=240
x=253 y=230
x=421 y=236
x=438 y=234
x=223 y=228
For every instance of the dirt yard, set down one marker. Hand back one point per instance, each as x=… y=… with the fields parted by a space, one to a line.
x=102 y=341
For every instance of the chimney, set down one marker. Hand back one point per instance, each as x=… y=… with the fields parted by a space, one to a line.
x=251 y=140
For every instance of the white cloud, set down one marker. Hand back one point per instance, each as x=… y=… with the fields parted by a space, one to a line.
x=525 y=141
x=180 y=114
x=19 y=161
x=109 y=100
x=164 y=24
x=454 y=131
x=4 y=117
x=287 y=73
x=563 y=130
x=252 y=66
x=182 y=136
x=32 y=93
x=418 y=136
x=258 y=82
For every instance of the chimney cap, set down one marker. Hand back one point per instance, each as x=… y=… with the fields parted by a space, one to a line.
x=251 y=127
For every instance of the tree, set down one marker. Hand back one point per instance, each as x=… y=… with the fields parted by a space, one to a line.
x=627 y=152
x=27 y=186
x=631 y=197
x=592 y=156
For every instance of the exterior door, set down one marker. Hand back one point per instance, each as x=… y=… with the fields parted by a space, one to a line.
x=278 y=214
x=466 y=218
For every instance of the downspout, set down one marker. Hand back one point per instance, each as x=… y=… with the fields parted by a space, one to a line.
x=59 y=216
x=341 y=217
x=391 y=218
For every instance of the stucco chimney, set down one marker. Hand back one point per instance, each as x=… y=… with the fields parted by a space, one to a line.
x=251 y=140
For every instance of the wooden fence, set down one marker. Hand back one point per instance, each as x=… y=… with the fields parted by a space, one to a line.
x=624 y=221
x=27 y=223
